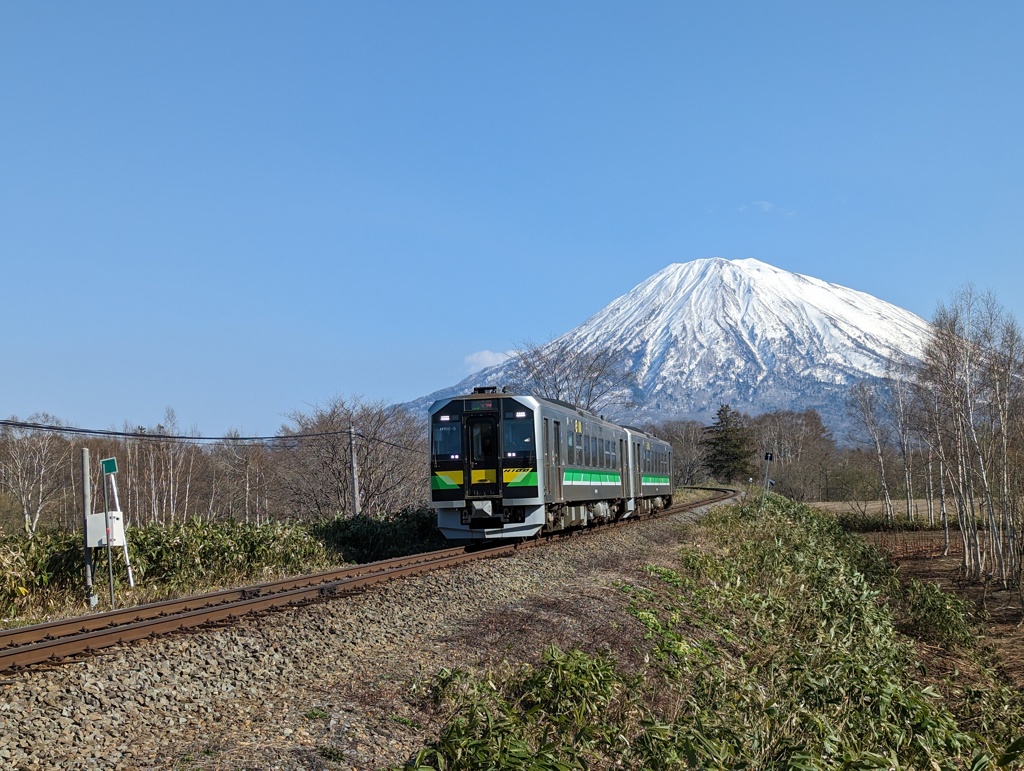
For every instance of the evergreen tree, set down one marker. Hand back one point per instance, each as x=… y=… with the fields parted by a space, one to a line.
x=729 y=446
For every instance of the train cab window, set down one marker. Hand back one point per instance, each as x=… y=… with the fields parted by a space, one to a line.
x=518 y=435
x=447 y=440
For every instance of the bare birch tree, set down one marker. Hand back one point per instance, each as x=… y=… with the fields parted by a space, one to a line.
x=33 y=465
x=865 y=413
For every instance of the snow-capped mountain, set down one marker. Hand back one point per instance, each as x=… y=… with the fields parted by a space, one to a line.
x=701 y=334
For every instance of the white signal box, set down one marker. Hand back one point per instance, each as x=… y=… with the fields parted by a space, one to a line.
x=96 y=530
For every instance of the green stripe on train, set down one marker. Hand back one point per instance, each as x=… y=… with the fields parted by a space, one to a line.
x=580 y=477
x=653 y=480
x=526 y=480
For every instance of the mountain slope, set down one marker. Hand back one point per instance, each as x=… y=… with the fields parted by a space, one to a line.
x=741 y=332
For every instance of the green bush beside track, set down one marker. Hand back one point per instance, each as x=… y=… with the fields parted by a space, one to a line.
x=774 y=645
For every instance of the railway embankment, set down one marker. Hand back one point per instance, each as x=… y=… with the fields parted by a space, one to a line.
x=328 y=686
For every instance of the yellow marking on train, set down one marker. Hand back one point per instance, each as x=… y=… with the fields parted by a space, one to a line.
x=451 y=477
x=483 y=476
x=514 y=474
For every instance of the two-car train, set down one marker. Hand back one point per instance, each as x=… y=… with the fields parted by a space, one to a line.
x=510 y=466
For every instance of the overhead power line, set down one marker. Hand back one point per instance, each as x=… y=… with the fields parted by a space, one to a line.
x=148 y=435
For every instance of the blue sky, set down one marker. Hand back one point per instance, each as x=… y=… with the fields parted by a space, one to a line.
x=241 y=209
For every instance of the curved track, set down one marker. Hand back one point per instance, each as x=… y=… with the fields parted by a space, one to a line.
x=56 y=640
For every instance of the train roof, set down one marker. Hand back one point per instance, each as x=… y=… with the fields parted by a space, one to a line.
x=482 y=392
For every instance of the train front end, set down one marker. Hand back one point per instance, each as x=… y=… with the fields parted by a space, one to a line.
x=485 y=480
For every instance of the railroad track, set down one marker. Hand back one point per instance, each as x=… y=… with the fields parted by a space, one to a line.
x=57 y=640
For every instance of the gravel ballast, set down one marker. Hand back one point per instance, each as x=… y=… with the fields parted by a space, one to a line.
x=335 y=685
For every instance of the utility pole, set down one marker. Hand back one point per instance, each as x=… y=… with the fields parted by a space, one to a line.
x=90 y=592
x=355 y=470
x=106 y=526
x=764 y=493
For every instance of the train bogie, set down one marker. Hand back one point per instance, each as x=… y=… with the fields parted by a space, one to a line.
x=511 y=466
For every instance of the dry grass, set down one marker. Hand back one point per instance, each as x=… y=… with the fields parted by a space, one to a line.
x=919 y=508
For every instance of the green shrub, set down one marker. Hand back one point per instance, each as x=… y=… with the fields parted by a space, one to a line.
x=559 y=716
x=937 y=616
x=197 y=550
x=367 y=539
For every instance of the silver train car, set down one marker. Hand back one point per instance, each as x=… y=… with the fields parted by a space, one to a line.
x=510 y=466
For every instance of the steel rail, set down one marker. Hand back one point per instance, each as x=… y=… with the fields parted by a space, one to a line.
x=25 y=646
x=96 y=621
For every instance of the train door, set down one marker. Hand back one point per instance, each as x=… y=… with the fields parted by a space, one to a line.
x=556 y=480
x=552 y=460
x=638 y=471
x=482 y=435
x=549 y=464
x=623 y=470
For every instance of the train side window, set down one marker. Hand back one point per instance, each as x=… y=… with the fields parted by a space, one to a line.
x=586 y=450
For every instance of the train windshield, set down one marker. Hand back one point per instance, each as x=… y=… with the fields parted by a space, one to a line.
x=447 y=440
x=519 y=440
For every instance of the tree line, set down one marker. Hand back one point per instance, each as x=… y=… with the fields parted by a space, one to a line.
x=950 y=431
x=167 y=476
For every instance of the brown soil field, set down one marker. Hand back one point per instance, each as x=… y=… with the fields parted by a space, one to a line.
x=920 y=554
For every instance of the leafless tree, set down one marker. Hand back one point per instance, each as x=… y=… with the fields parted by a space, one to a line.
x=688 y=451
x=803 y=451
x=33 y=467
x=241 y=481
x=897 y=408
x=158 y=473
x=390 y=454
x=971 y=383
x=864 y=410
x=592 y=378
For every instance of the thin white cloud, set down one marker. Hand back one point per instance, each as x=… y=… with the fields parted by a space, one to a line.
x=767 y=207
x=481 y=359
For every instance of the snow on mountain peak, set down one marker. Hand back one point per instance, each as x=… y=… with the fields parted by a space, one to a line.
x=745 y=333
x=713 y=331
